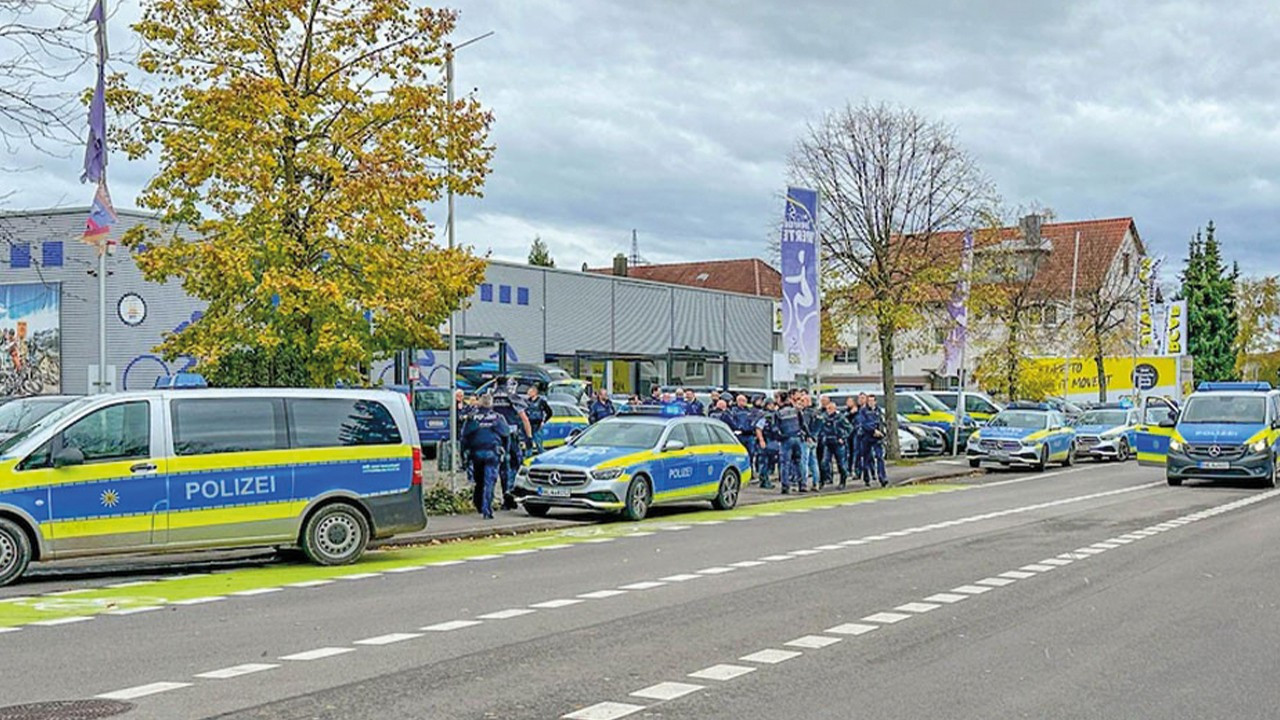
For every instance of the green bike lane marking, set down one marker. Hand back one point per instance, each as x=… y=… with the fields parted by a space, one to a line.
x=95 y=601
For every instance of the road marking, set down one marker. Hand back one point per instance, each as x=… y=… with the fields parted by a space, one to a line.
x=646 y=585
x=405 y=569
x=851 y=543
x=886 y=618
x=597 y=541
x=309 y=583
x=199 y=600
x=642 y=533
x=709 y=522
x=236 y=671
x=1016 y=574
x=143 y=690
x=388 y=639
x=451 y=625
x=946 y=598
x=917 y=607
x=722 y=672
x=1120 y=540
x=770 y=656
x=602 y=594
x=667 y=691
x=318 y=653
x=872 y=538
x=971 y=589
x=553 y=604
x=1074 y=556
x=485 y=557
x=748 y=564
x=675 y=527
x=447 y=563
x=777 y=558
x=995 y=581
x=812 y=642
x=359 y=576
x=1104 y=546
x=557 y=546
x=134 y=611
x=719 y=570
x=522 y=551
x=852 y=629
x=828 y=547
x=682 y=577
x=604 y=711
x=256 y=591
x=1058 y=562
x=64 y=593
x=1089 y=551
x=896 y=533
x=135 y=583
x=803 y=553
x=63 y=620
x=1036 y=568
x=506 y=614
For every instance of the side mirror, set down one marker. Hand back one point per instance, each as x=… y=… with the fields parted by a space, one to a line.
x=1171 y=421
x=67 y=457
x=672 y=446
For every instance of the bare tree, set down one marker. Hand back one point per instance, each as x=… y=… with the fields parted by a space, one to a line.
x=890 y=182
x=1104 y=313
x=43 y=44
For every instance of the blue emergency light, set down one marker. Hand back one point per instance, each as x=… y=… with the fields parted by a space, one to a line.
x=1227 y=386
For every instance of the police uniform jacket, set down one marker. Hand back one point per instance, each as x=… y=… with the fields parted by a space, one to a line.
x=831 y=427
x=486 y=431
x=601 y=409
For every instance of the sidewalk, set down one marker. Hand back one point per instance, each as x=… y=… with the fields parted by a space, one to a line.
x=459 y=527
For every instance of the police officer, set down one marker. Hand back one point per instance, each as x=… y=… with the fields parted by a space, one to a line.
x=538 y=412
x=741 y=420
x=508 y=403
x=768 y=442
x=790 y=429
x=485 y=437
x=809 y=450
x=720 y=411
x=692 y=405
x=853 y=406
x=871 y=422
x=464 y=410
x=832 y=434
x=602 y=407
x=671 y=405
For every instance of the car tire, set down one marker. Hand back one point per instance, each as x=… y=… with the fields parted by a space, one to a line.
x=1071 y=456
x=1122 y=454
x=536 y=509
x=975 y=464
x=1270 y=480
x=730 y=488
x=1172 y=481
x=15 y=551
x=1044 y=460
x=336 y=534
x=638 y=500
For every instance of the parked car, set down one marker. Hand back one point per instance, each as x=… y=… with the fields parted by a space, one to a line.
x=21 y=413
x=978 y=406
x=472 y=374
x=928 y=440
x=579 y=390
x=430 y=411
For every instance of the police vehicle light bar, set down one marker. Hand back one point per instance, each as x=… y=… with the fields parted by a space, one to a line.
x=1026 y=405
x=1261 y=386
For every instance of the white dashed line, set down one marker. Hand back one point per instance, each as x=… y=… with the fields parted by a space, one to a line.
x=777 y=558
x=200 y=600
x=770 y=656
x=134 y=611
x=359 y=576
x=719 y=570
x=236 y=671
x=1037 y=568
x=917 y=607
x=388 y=639
x=971 y=589
x=257 y=591
x=748 y=564
x=722 y=672
x=828 y=547
x=667 y=691
x=854 y=629
x=871 y=538
x=1059 y=562
x=602 y=594
x=851 y=543
x=451 y=625
x=812 y=642
x=318 y=654
x=886 y=618
x=682 y=577
x=62 y=621
x=143 y=690
x=946 y=598
x=487 y=557
x=405 y=569
x=553 y=604
x=309 y=583
x=506 y=614
x=995 y=581
x=646 y=585
x=604 y=711
x=803 y=553
x=447 y=563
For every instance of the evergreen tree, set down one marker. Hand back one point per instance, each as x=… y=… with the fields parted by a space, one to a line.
x=1208 y=286
x=539 y=254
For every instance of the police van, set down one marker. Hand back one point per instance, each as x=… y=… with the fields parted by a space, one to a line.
x=165 y=470
x=1225 y=430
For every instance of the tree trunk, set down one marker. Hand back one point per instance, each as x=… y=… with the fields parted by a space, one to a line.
x=890 y=401
x=1102 y=375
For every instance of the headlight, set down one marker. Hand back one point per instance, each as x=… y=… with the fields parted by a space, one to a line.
x=1174 y=445
x=610 y=474
x=1260 y=446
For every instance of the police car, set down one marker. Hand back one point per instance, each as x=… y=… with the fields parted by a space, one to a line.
x=1024 y=434
x=565 y=418
x=627 y=464
x=1107 y=432
x=1224 y=430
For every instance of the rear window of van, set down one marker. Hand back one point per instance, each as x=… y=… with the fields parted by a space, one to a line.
x=334 y=422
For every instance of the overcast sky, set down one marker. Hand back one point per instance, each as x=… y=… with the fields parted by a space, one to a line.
x=675 y=118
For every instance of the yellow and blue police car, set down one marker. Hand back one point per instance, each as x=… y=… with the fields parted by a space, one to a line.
x=564 y=420
x=1024 y=434
x=629 y=463
x=1223 y=430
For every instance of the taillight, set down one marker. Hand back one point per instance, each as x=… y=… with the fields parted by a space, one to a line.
x=417 y=466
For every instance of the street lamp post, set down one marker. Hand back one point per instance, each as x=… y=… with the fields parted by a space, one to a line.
x=449 y=50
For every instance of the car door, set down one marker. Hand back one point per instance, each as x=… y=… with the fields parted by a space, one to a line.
x=979 y=409
x=709 y=457
x=1155 y=428
x=677 y=467
x=114 y=495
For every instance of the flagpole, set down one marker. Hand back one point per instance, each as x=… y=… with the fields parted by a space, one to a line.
x=1071 y=323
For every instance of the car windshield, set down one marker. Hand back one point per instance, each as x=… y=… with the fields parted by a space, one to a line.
x=616 y=433
x=948 y=400
x=931 y=402
x=50 y=419
x=565 y=410
x=431 y=400
x=1110 y=418
x=1021 y=419
x=20 y=413
x=1242 y=409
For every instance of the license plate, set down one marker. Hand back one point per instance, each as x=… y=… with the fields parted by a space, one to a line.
x=1214 y=465
x=553 y=492
x=435 y=423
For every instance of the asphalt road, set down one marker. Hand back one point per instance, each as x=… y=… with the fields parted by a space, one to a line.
x=1096 y=592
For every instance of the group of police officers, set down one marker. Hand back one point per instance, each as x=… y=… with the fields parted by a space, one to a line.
x=784 y=432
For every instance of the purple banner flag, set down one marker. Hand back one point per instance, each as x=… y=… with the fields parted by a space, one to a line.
x=102 y=215
x=958 y=309
x=801 y=304
x=95 y=151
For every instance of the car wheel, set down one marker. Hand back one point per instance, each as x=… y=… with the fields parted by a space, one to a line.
x=975 y=464
x=1173 y=481
x=15 y=551
x=1071 y=456
x=537 y=509
x=337 y=534
x=637 y=500
x=1122 y=454
x=730 y=485
x=1270 y=480
x=1044 y=459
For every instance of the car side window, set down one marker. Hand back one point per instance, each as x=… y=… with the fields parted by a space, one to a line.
x=205 y=426
x=113 y=433
x=973 y=403
x=722 y=435
x=680 y=434
x=700 y=433
x=907 y=405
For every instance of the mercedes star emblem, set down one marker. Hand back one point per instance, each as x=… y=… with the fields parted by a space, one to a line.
x=1215 y=451
x=554 y=478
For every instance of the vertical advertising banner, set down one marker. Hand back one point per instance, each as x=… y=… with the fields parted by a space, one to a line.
x=30 y=339
x=800 y=302
x=958 y=311
x=1175 y=329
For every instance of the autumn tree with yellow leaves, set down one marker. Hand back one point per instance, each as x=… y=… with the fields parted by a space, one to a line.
x=302 y=141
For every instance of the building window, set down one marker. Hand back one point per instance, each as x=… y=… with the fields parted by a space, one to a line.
x=486 y=292
x=51 y=253
x=846 y=356
x=504 y=294
x=1050 y=315
x=522 y=296
x=1126 y=265
x=20 y=255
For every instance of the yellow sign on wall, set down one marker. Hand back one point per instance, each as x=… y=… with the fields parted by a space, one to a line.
x=1153 y=373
